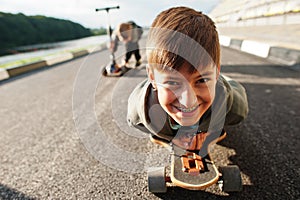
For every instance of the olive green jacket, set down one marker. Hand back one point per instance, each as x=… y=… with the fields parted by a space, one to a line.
x=229 y=107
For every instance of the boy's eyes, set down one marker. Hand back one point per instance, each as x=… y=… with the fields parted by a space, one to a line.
x=179 y=83
x=172 y=83
x=203 y=80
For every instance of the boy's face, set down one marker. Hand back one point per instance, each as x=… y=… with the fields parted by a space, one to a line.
x=185 y=96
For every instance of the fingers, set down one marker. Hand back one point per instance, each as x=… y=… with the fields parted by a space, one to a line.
x=201 y=138
x=181 y=142
x=190 y=143
x=199 y=141
x=193 y=144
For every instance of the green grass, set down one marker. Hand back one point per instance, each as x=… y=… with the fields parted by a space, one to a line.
x=35 y=59
x=20 y=62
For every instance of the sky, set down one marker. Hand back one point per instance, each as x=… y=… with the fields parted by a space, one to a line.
x=83 y=11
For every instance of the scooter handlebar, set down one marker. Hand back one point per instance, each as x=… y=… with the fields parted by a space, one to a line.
x=107 y=8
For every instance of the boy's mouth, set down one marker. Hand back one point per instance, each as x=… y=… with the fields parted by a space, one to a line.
x=187 y=110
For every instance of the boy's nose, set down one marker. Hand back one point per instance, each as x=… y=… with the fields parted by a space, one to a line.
x=187 y=97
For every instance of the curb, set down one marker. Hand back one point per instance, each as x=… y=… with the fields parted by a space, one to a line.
x=3 y=74
x=53 y=60
x=47 y=61
x=282 y=55
x=14 y=71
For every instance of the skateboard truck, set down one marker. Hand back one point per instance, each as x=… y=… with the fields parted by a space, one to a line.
x=192 y=163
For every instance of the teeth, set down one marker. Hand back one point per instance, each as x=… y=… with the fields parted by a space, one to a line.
x=187 y=109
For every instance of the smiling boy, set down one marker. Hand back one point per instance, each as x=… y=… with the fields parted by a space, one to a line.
x=185 y=99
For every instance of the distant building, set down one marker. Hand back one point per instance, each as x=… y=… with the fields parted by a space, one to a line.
x=256 y=12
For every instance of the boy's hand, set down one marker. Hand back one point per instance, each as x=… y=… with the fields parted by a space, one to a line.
x=112 y=46
x=190 y=143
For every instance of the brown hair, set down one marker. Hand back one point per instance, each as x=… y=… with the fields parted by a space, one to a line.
x=179 y=35
x=124 y=30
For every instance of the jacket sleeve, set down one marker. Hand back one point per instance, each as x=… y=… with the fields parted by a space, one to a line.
x=237 y=103
x=135 y=107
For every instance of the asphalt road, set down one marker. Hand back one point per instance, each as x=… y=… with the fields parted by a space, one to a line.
x=64 y=135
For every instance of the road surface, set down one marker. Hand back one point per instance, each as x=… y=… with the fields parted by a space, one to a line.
x=64 y=136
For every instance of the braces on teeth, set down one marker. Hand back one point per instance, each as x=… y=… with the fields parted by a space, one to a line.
x=187 y=109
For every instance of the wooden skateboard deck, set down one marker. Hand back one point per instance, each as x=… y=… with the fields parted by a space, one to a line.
x=190 y=171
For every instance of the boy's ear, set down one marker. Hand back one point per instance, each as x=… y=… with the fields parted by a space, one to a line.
x=151 y=76
x=218 y=71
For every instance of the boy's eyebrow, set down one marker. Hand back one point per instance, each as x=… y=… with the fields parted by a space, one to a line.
x=170 y=77
x=208 y=73
x=173 y=75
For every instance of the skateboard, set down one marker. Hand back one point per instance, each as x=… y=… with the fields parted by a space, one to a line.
x=118 y=74
x=112 y=65
x=193 y=172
